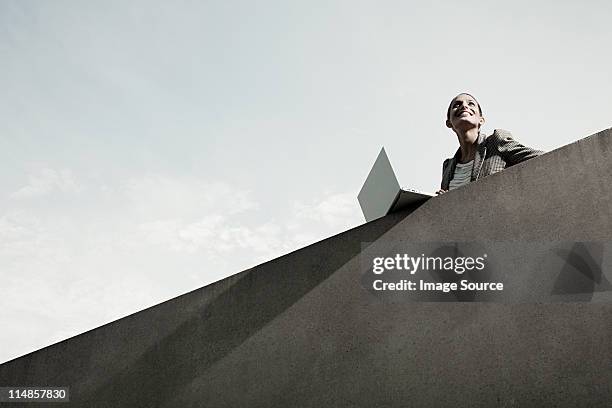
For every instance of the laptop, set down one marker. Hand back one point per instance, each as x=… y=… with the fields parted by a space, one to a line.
x=381 y=193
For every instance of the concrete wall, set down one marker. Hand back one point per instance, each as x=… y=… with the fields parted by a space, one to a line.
x=302 y=331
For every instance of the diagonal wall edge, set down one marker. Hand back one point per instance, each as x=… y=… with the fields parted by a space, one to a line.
x=300 y=331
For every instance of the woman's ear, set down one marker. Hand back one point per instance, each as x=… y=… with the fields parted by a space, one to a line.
x=448 y=124
x=481 y=122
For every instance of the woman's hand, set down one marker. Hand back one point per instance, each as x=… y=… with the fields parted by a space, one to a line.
x=441 y=191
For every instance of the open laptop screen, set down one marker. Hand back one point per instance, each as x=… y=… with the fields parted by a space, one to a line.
x=381 y=193
x=380 y=189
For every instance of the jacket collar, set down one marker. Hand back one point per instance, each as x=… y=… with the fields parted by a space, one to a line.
x=479 y=147
x=481 y=151
x=478 y=159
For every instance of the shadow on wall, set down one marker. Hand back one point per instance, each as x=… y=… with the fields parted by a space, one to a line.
x=581 y=275
x=215 y=329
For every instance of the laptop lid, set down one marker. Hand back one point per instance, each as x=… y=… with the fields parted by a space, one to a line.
x=380 y=190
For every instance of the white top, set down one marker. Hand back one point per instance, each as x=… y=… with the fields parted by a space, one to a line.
x=462 y=176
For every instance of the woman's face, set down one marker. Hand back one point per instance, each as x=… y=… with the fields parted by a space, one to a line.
x=464 y=113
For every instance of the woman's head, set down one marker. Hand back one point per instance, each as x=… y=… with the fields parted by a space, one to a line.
x=464 y=112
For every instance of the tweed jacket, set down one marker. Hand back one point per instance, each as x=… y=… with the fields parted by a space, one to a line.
x=493 y=153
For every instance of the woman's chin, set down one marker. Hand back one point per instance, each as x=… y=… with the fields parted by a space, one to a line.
x=464 y=126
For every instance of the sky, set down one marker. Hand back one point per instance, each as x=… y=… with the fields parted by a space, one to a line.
x=150 y=148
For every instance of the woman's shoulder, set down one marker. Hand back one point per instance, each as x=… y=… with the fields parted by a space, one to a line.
x=499 y=136
x=446 y=164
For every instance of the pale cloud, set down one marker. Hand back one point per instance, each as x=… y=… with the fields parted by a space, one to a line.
x=215 y=236
x=153 y=237
x=160 y=196
x=219 y=234
x=180 y=236
x=45 y=181
x=188 y=215
x=25 y=241
x=336 y=211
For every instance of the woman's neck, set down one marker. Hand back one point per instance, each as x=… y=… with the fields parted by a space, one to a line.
x=467 y=142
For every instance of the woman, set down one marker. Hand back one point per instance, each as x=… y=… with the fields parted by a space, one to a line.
x=478 y=155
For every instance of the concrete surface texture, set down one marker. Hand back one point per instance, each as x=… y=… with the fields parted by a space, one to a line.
x=302 y=331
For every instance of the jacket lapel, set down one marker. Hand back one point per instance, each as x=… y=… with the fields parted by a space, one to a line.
x=479 y=156
x=449 y=171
